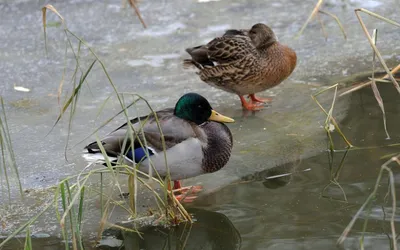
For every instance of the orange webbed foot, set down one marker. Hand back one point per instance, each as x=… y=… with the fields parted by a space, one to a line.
x=250 y=106
x=260 y=100
x=187 y=194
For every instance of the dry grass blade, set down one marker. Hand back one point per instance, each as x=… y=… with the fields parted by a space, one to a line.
x=134 y=6
x=393 y=192
x=375 y=88
x=132 y=187
x=332 y=119
x=322 y=27
x=44 y=15
x=378 y=54
x=125 y=229
x=363 y=85
x=379 y=17
x=337 y=21
x=51 y=8
x=379 y=80
x=313 y=13
x=329 y=117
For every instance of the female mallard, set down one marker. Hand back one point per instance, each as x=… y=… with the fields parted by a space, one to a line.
x=244 y=62
x=196 y=140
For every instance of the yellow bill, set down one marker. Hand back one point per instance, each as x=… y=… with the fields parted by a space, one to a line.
x=215 y=116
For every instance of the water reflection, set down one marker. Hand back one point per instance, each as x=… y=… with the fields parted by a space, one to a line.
x=43 y=242
x=211 y=231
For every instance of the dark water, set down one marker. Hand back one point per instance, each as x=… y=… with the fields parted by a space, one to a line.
x=298 y=211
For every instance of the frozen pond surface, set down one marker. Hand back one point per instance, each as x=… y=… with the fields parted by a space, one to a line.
x=149 y=62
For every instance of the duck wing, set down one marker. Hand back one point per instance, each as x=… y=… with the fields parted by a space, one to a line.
x=223 y=49
x=229 y=48
x=232 y=46
x=145 y=129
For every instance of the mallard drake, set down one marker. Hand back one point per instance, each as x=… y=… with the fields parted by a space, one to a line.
x=197 y=142
x=244 y=62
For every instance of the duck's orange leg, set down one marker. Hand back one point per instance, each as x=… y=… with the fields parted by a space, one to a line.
x=250 y=106
x=177 y=185
x=185 y=193
x=260 y=100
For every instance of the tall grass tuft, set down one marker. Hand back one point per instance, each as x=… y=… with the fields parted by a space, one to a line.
x=71 y=193
x=170 y=211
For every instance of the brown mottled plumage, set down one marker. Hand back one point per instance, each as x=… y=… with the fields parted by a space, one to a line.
x=244 y=62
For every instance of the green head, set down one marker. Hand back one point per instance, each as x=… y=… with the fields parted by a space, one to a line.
x=195 y=108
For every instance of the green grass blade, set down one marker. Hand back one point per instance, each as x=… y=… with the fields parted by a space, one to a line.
x=3 y=158
x=28 y=240
x=8 y=156
x=64 y=206
x=80 y=216
x=76 y=91
x=80 y=209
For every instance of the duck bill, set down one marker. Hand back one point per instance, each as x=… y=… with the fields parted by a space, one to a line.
x=217 y=117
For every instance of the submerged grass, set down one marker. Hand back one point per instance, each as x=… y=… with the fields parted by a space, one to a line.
x=334 y=176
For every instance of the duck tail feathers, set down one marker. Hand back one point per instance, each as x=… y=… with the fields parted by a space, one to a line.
x=97 y=158
x=189 y=64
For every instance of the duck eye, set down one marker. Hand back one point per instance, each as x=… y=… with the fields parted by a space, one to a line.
x=199 y=106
